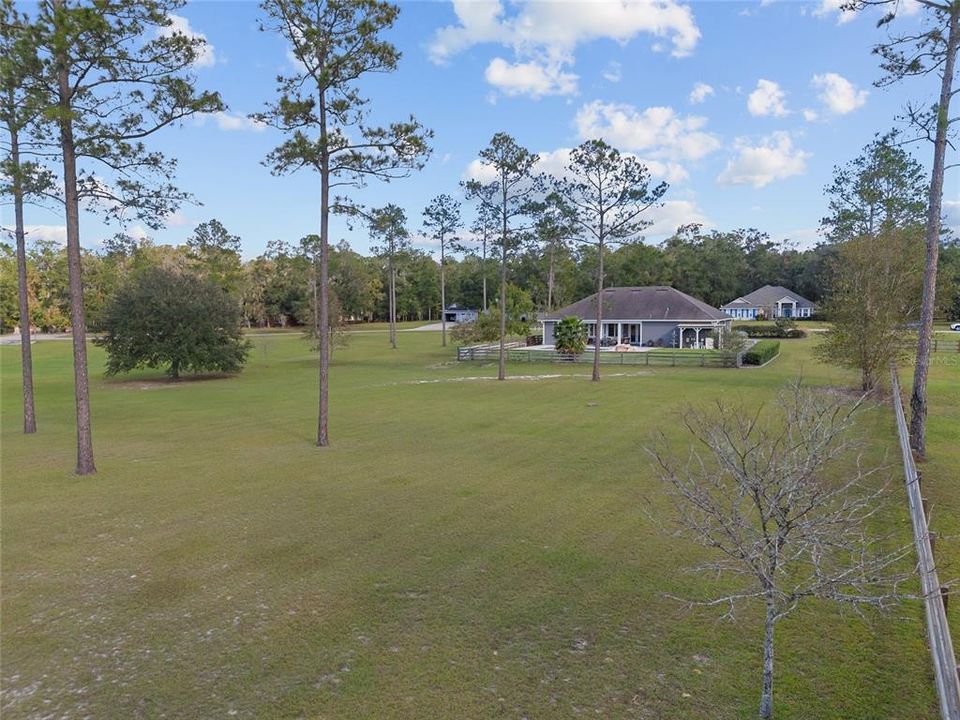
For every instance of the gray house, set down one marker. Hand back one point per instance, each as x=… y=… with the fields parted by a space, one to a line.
x=770 y=301
x=655 y=316
x=457 y=314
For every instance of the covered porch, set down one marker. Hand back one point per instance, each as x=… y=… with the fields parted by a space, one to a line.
x=698 y=336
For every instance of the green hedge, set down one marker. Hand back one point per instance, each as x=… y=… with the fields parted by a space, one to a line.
x=763 y=352
x=769 y=330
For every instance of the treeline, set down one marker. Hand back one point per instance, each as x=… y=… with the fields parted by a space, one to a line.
x=275 y=288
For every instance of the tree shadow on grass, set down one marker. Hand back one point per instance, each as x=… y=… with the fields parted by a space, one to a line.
x=159 y=381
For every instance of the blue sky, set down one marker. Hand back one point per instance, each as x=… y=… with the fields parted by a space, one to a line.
x=743 y=107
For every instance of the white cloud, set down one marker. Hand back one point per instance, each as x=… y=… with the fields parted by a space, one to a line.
x=554 y=162
x=234 y=121
x=177 y=219
x=701 y=91
x=530 y=78
x=671 y=215
x=206 y=56
x=54 y=233
x=810 y=115
x=549 y=32
x=827 y=8
x=613 y=72
x=951 y=214
x=767 y=99
x=838 y=94
x=656 y=131
x=774 y=158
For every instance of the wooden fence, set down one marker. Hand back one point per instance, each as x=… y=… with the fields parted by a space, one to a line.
x=938 y=632
x=671 y=358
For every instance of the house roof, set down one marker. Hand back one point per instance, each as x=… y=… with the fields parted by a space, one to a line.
x=768 y=295
x=656 y=302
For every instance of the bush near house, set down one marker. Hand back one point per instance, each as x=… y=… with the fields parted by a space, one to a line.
x=773 y=330
x=761 y=353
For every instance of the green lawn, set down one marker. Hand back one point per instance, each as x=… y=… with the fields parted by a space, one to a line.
x=465 y=549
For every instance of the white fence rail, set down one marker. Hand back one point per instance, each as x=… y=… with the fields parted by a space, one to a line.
x=938 y=632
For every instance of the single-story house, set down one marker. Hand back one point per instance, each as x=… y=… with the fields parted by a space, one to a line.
x=770 y=301
x=457 y=314
x=655 y=316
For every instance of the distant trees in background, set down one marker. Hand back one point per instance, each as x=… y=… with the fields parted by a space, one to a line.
x=274 y=287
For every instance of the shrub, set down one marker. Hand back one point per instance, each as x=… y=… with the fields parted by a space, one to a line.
x=570 y=336
x=761 y=353
x=771 y=330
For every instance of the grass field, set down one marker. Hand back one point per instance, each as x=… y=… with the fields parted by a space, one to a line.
x=465 y=549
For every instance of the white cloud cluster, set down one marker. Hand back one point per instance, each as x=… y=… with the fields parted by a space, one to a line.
x=671 y=215
x=530 y=78
x=613 y=72
x=546 y=34
x=54 y=233
x=178 y=24
x=767 y=99
x=234 y=121
x=701 y=91
x=656 y=131
x=838 y=94
x=773 y=158
x=829 y=8
x=554 y=162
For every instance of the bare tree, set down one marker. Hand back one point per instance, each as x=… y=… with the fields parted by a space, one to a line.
x=782 y=501
x=929 y=51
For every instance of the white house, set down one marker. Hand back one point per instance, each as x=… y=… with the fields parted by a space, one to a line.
x=770 y=301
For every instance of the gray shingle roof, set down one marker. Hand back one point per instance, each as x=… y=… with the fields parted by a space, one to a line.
x=768 y=296
x=656 y=302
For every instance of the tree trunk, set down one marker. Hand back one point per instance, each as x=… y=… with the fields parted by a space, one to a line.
x=550 y=278
x=918 y=400
x=323 y=436
x=598 y=331
x=26 y=351
x=766 y=695
x=502 y=364
x=443 y=297
x=483 y=270
x=85 y=464
x=392 y=302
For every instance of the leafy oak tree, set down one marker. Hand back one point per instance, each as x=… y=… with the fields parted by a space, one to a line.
x=320 y=109
x=606 y=194
x=116 y=73
x=511 y=196
x=441 y=220
x=164 y=318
